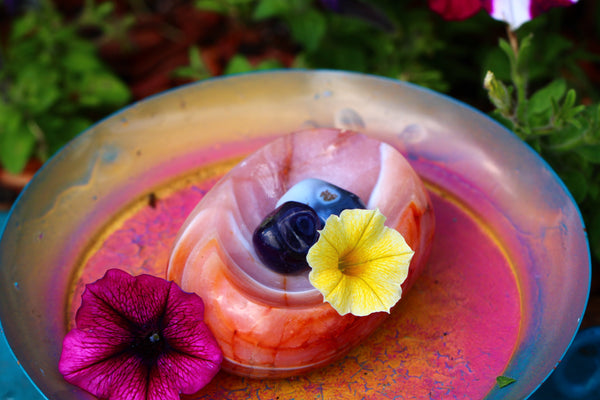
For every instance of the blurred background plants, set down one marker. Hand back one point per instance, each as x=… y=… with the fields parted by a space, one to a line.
x=67 y=63
x=53 y=85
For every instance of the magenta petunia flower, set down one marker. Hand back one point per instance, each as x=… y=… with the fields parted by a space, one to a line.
x=139 y=338
x=514 y=12
x=453 y=10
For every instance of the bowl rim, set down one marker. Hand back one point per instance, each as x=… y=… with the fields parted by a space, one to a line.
x=295 y=72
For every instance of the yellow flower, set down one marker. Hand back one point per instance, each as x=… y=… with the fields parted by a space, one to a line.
x=358 y=263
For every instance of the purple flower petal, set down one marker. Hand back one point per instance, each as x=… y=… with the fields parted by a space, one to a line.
x=333 y=5
x=458 y=9
x=116 y=300
x=537 y=7
x=139 y=338
x=189 y=336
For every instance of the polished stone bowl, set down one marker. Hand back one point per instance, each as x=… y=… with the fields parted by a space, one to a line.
x=125 y=156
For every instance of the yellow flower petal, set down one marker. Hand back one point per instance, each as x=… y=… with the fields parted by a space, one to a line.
x=358 y=263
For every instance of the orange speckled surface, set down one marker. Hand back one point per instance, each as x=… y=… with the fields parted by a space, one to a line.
x=448 y=338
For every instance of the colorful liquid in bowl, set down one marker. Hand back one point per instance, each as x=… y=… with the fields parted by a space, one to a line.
x=453 y=333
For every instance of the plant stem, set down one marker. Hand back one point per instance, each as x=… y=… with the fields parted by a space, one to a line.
x=512 y=39
x=42 y=145
x=519 y=80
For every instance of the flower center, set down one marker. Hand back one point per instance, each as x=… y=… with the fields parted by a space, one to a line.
x=351 y=265
x=154 y=338
x=149 y=347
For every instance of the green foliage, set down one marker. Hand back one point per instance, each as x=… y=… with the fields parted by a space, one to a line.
x=239 y=9
x=504 y=381
x=101 y=18
x=240 y=64
x=333 y=41
x=565 y=133
x=53 y=86
x=196 y=69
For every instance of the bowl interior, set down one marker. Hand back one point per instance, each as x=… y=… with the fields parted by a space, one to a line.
x=150 y=143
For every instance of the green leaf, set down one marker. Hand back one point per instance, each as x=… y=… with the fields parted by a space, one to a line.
x=81 y=60
x=186 y=72
x=568 y=110
x=268 y=64
x=195 y=58
x=17 y=144
x=271 y=8
x=524 y=53
x=24 y=25
x=59 y=130
x=504 y=381
x=102 y=90
x=590 y=153
x=570 y=99
x=35 y=88
x=223 y=6
x=508 y=51
x=300 y=62
x=541 y=101
x=308 y=28
x=212 y=5
x=103 y=10
x=238 y=64
x=196 y=70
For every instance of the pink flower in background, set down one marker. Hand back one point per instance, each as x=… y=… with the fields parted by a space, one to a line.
x=139 y=338
x=514 y=12
x=459 y=9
